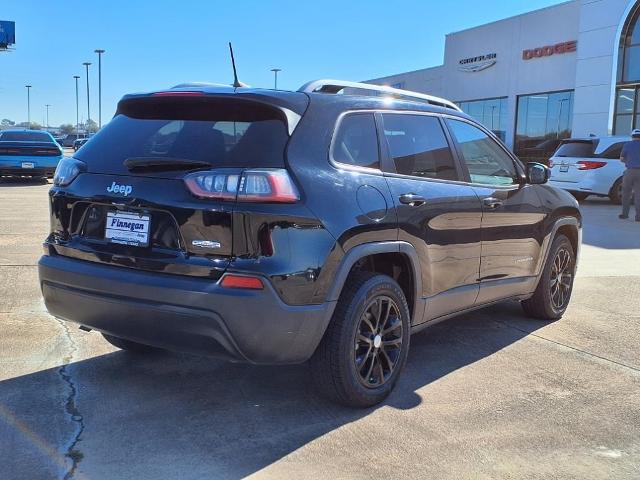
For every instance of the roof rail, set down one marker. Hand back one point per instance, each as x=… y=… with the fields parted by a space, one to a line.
x=336 y=86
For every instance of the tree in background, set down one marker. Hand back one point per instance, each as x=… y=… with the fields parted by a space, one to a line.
x=67 y=128
x=91 y=126
x=34 y=125
x=7 y=123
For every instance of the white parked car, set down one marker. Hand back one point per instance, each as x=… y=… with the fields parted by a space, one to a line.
x=589 y=166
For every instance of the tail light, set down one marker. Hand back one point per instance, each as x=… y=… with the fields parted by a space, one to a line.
x=48 y=151
x=213 y=184
x=272 y=185
x=590 y=164
x=67 y=171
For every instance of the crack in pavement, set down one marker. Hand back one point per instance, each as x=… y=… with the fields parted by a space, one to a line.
x=576 y=349
x=72 y=452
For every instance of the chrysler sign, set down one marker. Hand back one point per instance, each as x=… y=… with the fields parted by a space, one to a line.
x=475 y=64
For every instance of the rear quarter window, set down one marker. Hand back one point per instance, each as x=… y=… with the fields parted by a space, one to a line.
x=356 y=141
x=613 y=151
x=582 y=149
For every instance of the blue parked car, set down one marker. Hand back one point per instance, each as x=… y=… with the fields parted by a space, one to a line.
x=28 y=153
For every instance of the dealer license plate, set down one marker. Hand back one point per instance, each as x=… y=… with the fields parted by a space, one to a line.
x=127 y=228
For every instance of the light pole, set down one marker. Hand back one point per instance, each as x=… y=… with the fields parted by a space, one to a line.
x=275 y=77
x=86 y=64
x=99 y=52
x=47 y=107
x=559 y=116
x=77 y=77
x=28 y=87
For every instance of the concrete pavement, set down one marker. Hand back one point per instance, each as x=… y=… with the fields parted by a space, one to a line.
x=488 y=395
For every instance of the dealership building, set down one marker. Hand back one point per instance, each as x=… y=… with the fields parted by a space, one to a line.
x=572 y=69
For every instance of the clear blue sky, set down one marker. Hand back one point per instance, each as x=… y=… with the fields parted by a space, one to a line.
x=156 y=44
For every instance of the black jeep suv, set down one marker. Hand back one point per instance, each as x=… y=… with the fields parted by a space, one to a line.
x=278 y=227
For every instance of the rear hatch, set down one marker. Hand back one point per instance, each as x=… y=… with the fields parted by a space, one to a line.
x=567 y=163
x=132 y=207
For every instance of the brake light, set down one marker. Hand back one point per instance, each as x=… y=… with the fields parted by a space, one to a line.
x=267 y=185
x=241 y=281
x=177 y=94
x=271 y=185
x=590 y=164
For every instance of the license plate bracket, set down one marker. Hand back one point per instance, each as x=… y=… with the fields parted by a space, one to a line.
x=127 y=228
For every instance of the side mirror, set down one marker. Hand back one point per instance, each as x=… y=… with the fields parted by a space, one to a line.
x=537 y=173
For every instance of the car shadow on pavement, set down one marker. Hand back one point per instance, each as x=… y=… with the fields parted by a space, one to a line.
x=169 y=415
x=21 y=181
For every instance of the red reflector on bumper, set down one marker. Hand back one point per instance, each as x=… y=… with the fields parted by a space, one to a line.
x=241 y=281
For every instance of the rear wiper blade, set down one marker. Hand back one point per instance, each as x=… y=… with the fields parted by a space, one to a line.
x=163 y=163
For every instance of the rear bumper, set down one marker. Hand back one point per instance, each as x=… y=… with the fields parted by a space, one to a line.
x=598 y=181
x=181 y=313
x=587 y=185
x=27 y=172
x=12 y=165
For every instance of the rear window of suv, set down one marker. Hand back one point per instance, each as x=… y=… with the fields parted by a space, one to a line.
x=220 y=133
x=576 y=148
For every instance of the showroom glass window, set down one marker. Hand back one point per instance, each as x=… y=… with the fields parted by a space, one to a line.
x=542 y=121
x=626 y=102
x=492 y=113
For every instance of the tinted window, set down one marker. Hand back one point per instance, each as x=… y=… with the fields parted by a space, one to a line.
x=356 y=141
x=418 y=146
x=484 y=157
x=540 y=117
x=614 y=151
x=492 y=113
x=25 y=137
x=222 y=135
x=579 y=148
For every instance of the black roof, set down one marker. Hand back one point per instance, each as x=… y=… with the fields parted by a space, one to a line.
x=299 y=101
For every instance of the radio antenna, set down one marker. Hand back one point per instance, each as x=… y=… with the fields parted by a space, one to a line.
x=236 y=83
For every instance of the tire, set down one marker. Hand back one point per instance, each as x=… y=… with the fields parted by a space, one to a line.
x=579 y=195
x=551 y=298
x=356 y=363
x=615 y=194
x=128 y=345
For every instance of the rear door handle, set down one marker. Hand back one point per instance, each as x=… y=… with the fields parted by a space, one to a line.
x=492 y=202
x=412 y=199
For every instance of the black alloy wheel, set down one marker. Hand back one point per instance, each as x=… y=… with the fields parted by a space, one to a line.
x=378 y=342
x=365 y=346
x=561 y=279
x=552 y=295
